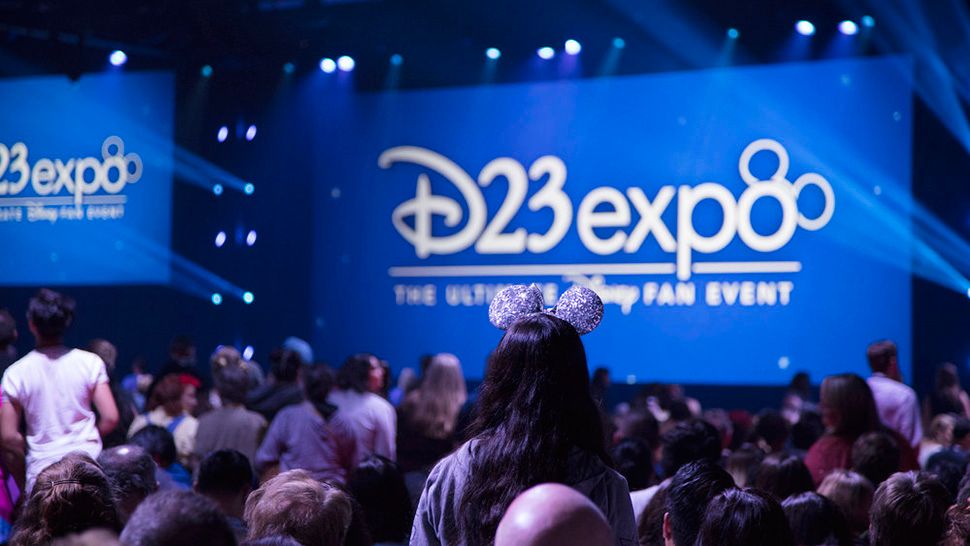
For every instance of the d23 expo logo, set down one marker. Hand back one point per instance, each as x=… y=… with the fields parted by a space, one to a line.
x=489 y=235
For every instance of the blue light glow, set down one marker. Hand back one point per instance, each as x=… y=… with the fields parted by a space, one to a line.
x=733 y=33
x=289 y=68
x=251 y=132
x=247 y=353
x=216 y=298
x=346 y=63
x=867 y=21
x=249 y=188
x=619 y=43
x=217 y=189
x=572 y=47
x=220 y=239
x=546 y=52
x=328 y=65
x=223 y=134
x=251 y=237
x=206 y=71
x=805 y=28
x=493 y=53
x=117 y=58
x=849 y=28
x=397 y=59
x=248 y=297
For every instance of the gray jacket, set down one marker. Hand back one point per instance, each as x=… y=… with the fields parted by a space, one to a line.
x=438 y=507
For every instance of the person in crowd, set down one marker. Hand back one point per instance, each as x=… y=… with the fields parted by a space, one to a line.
x=849 y=411
x=957 y=526
x=383 y=389
x=371 y=417
x=137 y=383
x=300 y=347
x=815 y=520
x=169 y=407
x=282 y=389
x=949 y=471
x=182 y=359
x=127 y=410
x=908 y=508
x=771 y=431
x=650 y=524
x=633 y=460
x=783 y=475
x=939 y=435
x=688 y=441
x=312 y=435
x=896 y=402
x=429 y=415
x=378 y=486
x=226 y=478
x=538 y=423
x=296 y=505
x=552 y=514
x=176 y=518
x=160 y=444
x=231 y=426
x=688 y=495
x=407 y=381
x=53 y=388
x=958 y=450
x=640 y=424
x=744 y=517
x=742 y=424
x=721 y=420
x=797 y=398
x=743 y=463
x=875 y=455
x=8 y=339
x=131 y=473
x=948 y=396
x=71 y=495
x=806 y=431
x=852 y=493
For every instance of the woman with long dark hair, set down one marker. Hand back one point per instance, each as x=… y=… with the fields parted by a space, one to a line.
x=536 y=423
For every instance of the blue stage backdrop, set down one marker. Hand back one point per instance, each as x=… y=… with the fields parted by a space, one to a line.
x=725 y=217
x=86 y=179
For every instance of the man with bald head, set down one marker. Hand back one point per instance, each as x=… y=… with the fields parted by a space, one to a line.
x=553 y=514
x=131 y=473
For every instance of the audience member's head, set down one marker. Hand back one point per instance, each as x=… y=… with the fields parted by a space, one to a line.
x=181 y=351
x=432 y=409
x=230 y=375
x=721 y=421
x=848 y=408
x=157 y=442
x=650 y=527
x=807 y=430
x=743 y=463
x=908 y=508
x=875 y=455
x=176 y=518
x=949 y=467
x=299 y=346
x=226 y=476
x=783 y=475
x=49 y=315
x=91 y=537
x=106 y=350
x=957 y=526
x=941 y=429
x=285 y=365
x=378 y=485
x=553 y=514
x=772 y=430
x=689 y=492
x=815 y=521
x=638 y=423
x=274 y=540
x=744 y=517
x=8 y=329
x=296 y=505
x=69 y=496
x=131 y=473
x=689 y=441
x=317 y=383
x=882 y=358
x=633 y=459
x=362 y=373
x=961 y=433
x=167 y=394
x=852 y=493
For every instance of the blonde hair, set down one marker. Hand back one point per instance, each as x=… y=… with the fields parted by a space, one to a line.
x=294 y=504
x=433 y=408
x=941 y=429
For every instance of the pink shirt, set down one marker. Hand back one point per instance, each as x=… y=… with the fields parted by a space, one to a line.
x=898 y=407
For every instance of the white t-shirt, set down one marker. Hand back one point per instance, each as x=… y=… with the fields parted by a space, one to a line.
x=55 y=393
x=373 y=419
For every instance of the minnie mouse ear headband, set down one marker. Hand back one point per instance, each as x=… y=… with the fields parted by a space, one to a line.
x=579 y=306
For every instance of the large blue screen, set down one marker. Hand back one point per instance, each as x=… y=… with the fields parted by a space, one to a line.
x=86 y=179
x=723 y=216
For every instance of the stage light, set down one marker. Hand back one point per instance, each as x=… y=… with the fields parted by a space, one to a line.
x=346 y=63
x=867 y=21
x=251 y=132
x=968 y=292
x=117 y=58
x=220 y=239
x=733 y=33
x=206 y=71
x=397 y=59
x=619 y=43
x=251 y=237
x=248 y=352
x=223 y=134
x=805 y=28
x=217 y=189
x=848 y=28
x=493 y=53
x=249 y=188
x=248 y=297
x=546 y=52
x=289 y=68
x=216 y=298
x=328 y=65
x=572 y=47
